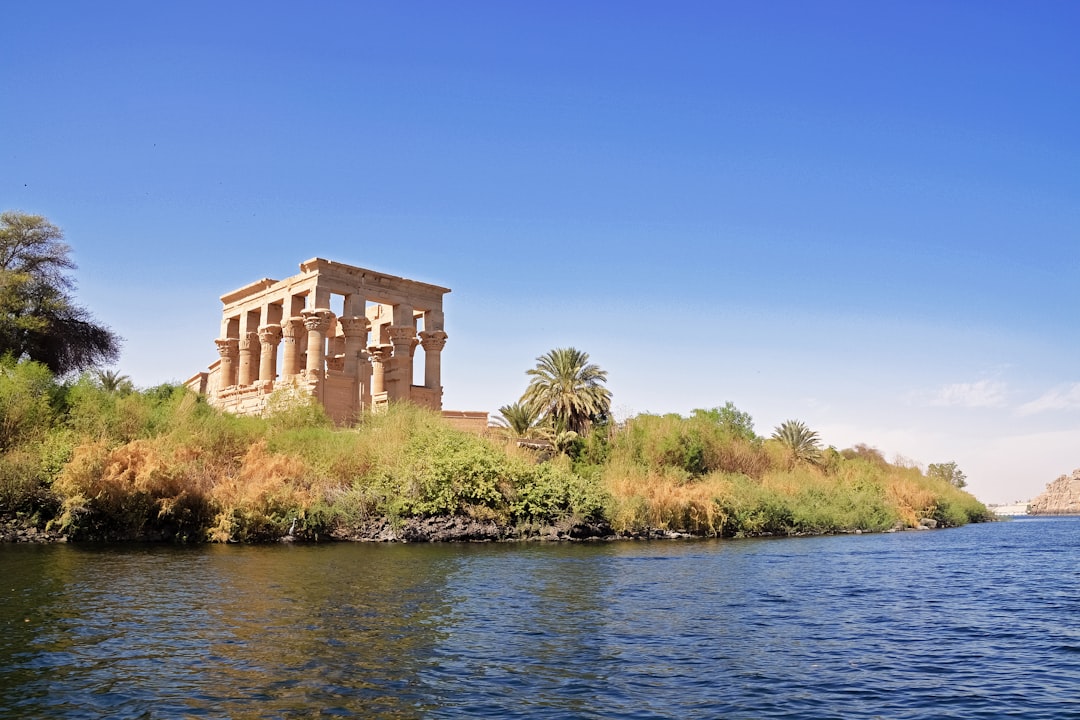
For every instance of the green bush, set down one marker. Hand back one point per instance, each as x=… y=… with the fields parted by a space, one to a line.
x=27 y=391
x=546 y=493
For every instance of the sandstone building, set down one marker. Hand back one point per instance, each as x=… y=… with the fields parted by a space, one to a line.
x=284 y=334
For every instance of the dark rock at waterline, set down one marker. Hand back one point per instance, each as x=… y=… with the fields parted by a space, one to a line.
x=464 y=529
x=20 y=529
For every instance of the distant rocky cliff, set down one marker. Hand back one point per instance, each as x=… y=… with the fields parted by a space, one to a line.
x=1062 y=497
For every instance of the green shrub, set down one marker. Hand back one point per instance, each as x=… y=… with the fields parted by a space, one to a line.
x=547 y=493
x=27 y=390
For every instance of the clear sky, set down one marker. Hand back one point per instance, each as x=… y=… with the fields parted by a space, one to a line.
x=861 y=215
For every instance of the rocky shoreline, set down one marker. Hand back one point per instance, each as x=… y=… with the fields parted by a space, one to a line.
x=1061 y=497
x=21 y=529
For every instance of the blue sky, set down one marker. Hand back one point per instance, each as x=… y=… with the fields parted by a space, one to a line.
x=861 y=215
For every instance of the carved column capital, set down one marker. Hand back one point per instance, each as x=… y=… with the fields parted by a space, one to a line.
x=401 y=336
x=291 y=327
x=228 y=347
x=270 y=335
x=380 y=353
x=317 y=320
x=248 y=340
x=354 y=327
x=433 y=340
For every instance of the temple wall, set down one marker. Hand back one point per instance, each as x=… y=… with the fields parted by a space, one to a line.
x=336 y=400
x=360 y=357
x=467 y=420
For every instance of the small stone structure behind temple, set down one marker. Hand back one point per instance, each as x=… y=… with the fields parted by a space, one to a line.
x=283 y=334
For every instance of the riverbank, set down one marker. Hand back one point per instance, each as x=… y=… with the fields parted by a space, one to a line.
x=161 y=465
x=453 y=529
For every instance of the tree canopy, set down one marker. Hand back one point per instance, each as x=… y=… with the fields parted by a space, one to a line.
x=39 y=320
x=949 y=472
x=803 y=442
x=518 y=420
x=568 y=390
x=732 y=419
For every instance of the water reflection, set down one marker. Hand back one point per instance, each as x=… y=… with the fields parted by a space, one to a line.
x=217 y=631
x=962 y=623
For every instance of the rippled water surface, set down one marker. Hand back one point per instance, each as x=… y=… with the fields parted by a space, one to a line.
x=979 y=622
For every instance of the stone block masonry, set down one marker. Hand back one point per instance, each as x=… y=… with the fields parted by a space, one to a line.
x=284 y=334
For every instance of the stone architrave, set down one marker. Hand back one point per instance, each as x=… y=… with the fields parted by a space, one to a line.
x=401 y=338
x=249 y=349
x=294 y=336
x=433 y=342
x=229 y=349
x=317 y=322
x=269 y=338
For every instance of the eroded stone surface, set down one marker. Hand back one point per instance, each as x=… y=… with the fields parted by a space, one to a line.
x=1062 y=497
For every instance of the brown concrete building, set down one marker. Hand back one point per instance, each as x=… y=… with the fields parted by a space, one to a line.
x=279 y=334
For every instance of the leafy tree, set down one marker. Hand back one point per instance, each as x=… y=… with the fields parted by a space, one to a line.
x=38 y=318
x=865 y=452
x=732 y=419
x=948 y=472
x=568 y=390
x=799 y=439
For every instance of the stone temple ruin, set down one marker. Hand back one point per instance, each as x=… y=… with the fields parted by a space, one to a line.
x=283 y=334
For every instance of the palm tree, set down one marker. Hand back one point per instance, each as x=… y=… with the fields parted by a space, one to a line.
x=568 y=390
x=518 y=420
x=112 y=381
x=799 y=439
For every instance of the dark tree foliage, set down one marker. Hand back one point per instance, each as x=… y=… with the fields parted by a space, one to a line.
x=39 y=320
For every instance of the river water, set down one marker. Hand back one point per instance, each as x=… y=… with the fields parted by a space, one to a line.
x=977 y=622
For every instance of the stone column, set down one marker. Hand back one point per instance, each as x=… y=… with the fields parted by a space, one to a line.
x=293 y=333
x=380 y=359
x=401 y=337
x=269 y=337
x=433 y=341
x=228 y=348
x=249 y=348
x=355 y=330
x=317 y=322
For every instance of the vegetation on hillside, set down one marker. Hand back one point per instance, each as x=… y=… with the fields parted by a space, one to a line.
x=99 y=460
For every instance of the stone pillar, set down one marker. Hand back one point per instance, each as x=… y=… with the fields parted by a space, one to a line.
x=295 y=339
x=269 y=337
x=380 y=359
x=249 y=348
x=355 y=330
x=228 y=348
x=433 y=341
x=317 y=322
x=409 y=380
x=401 y=337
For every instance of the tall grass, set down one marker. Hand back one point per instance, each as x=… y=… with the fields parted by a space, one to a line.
x=161 y=463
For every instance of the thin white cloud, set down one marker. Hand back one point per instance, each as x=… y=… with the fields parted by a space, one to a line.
x=1062 y=397
x=983 y=393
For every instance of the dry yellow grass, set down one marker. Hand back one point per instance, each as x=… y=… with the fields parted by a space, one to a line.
x=664 y=498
